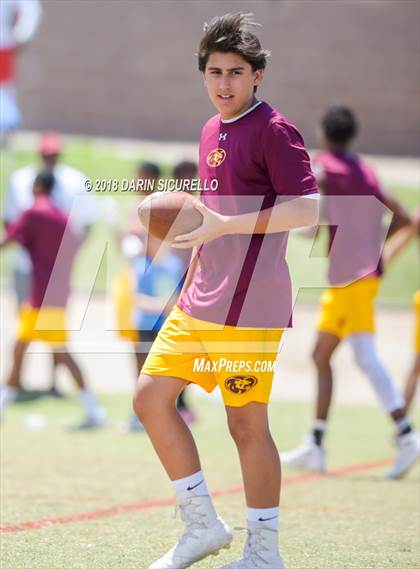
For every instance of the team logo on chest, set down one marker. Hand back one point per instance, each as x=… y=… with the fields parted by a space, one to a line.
x=240 y=384
x=223 y=136
x=216 y=157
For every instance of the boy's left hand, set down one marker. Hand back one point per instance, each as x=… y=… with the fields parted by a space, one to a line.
x=214 y=225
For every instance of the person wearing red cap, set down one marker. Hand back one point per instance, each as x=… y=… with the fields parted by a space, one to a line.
x=68 y=194
x=50 y=146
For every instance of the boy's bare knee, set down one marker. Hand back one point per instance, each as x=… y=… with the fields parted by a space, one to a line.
x=244 y=433
x=143 y=397
x=153 y=394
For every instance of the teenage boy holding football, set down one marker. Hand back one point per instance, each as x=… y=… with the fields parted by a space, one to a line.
x=236 y=298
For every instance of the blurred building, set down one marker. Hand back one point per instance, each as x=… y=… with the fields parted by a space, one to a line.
x=128 y=68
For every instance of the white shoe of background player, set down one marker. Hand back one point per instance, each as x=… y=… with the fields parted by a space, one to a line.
x=205 y=533
x=308 y=456
x=407 y=454
x=261 y=549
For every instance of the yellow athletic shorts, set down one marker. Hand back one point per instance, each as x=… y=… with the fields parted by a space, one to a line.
x=241 y=361
x=123 y=295
x=46 y=324
x=350 y=309
x=416 y=300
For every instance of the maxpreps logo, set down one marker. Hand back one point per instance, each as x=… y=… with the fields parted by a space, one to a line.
x=240 y=384
x=216 y=157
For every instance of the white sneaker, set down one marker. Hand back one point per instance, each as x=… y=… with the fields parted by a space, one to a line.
x=261 y=549
x=205 y=534
x=308 y=456
x=408 y=452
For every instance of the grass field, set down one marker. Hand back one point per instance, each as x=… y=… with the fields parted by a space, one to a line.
x=351 y=520
x=102 y=161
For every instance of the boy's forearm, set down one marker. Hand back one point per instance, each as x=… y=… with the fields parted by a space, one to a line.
x=398 y=242
x=401 y=217
x=300 y=212
x=399 y=221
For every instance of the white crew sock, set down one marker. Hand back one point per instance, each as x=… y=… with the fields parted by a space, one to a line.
x=91 y=405
x=195 y=483
x=319 y=425
x=7 y=395
x=267 y=516
x=367 y=359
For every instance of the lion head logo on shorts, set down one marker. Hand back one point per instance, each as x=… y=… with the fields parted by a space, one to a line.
x=216 y=157
x=240 y=384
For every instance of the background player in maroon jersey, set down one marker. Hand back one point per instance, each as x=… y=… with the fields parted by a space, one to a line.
x=43 y=230
x=353 y=206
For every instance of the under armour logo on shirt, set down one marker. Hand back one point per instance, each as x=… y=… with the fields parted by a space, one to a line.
x=223 y=136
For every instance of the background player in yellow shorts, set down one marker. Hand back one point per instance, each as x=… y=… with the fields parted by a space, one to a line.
x=44 y=232
x=236 y=299
x=354 y=207
x=69 y=188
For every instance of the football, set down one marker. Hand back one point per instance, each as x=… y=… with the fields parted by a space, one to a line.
x=169 y=214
